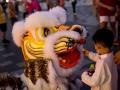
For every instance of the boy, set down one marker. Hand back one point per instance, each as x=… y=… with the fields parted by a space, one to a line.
x=73 y=3
x=105 y=74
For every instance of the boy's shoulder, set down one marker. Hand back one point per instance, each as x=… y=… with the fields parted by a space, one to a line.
x=107 y=58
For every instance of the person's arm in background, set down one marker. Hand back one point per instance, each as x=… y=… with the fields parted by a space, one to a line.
x=117 y=57
x=100 y=4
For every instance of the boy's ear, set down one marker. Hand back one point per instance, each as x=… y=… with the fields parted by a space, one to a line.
x=117 y=57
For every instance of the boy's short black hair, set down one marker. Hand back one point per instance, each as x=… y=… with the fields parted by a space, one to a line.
x=104 y=36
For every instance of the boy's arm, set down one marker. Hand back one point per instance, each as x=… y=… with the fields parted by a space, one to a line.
x=99 y=3
x=98 y=77
x=92 y=56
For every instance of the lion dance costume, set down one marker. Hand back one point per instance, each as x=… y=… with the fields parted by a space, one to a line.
x=50 y=49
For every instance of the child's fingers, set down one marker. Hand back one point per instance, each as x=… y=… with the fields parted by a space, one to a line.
x=85 y=52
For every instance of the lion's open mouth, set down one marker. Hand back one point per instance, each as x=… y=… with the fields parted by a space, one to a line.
x=67 y=52
x=69 y=59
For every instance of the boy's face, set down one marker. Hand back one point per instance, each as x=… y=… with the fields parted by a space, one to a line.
x=100 y=49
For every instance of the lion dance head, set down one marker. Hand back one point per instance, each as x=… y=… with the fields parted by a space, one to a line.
x=43 y=37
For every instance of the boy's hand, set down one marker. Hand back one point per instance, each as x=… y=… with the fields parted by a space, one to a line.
x=117 y=57
x=85 y=52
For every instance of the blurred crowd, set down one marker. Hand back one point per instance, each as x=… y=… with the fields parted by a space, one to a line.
x=12 y=9
x=107 y=12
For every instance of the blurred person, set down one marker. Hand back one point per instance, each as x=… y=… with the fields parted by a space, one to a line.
x=4 y=6
x=32 y=5
x=3 y=26
x=11 y=12
x=61 y=3
x=53 y=3
x=74 y=2
x=29 y=6
x=22 y=8
x=16 y=7
x=107 y=10
x=36 y=5
x=95 y=9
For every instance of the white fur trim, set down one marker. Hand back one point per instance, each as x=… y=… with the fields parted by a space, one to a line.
x=60 y=13
x=40 y=84
x=18 y=32
x=8 y=88
x=55 y=82
x=39 y=20
x=52 y=76
x=85 y=32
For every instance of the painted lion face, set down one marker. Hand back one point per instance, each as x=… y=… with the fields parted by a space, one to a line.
x=64 y=43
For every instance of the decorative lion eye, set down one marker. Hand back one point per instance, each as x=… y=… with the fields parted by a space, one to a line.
x=71 y=42
x=46 y=32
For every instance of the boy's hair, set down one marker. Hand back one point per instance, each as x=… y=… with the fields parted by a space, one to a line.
x=104 y=36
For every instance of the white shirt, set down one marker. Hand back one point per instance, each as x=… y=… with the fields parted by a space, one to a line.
x=105 y=75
